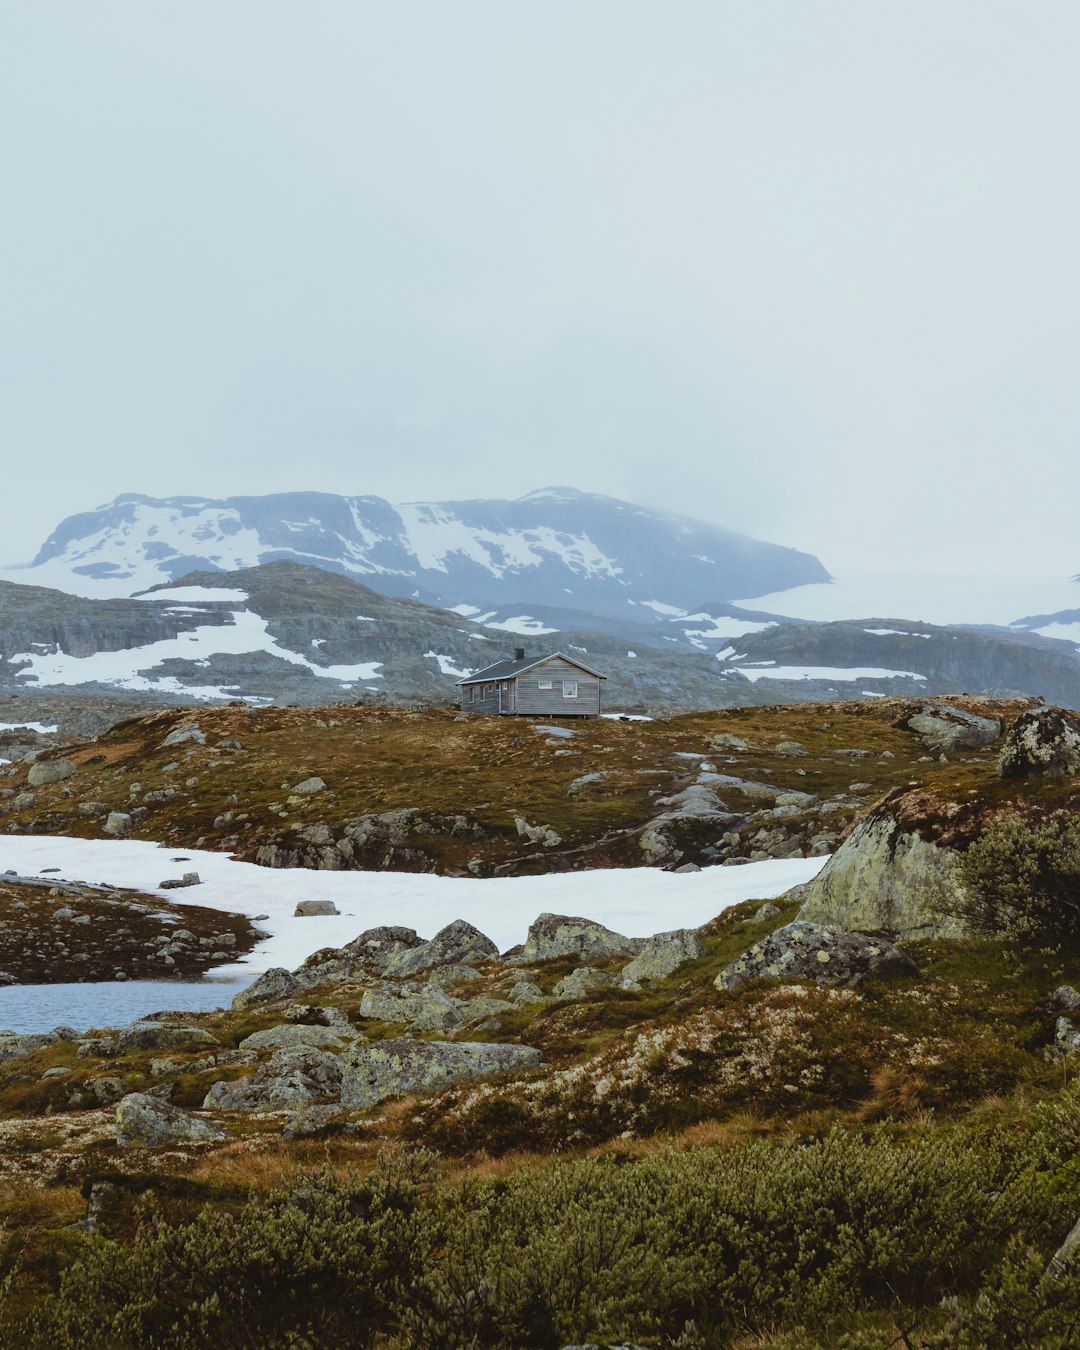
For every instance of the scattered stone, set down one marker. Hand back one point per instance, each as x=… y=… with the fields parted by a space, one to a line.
x=188 y=879
x=791 y=748
x=766 y=911
x=809 y=951
x=309 y=787
x=118 y=823
x=726 y=741
x=142 y=1120
x=537 y=834
x=272 y=984
x=182 y=736
x=582 y=982
x=948 y=730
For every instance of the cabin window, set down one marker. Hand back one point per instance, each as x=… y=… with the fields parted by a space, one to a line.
x=545 y=684
x=569 y=688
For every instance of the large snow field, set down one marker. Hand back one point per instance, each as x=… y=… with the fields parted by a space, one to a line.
x=637 y=902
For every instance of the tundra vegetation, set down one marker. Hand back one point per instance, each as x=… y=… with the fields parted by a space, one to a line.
x=675 y=1154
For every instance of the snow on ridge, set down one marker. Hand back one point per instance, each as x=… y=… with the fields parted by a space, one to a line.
x=187 y=594
x=129 y=668
x=447 y=667
x=524 y=624
x=773 y=672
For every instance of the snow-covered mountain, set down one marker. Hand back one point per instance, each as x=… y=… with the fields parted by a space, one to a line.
x=557 y=547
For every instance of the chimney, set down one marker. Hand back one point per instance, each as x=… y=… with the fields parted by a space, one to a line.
x=519 y=653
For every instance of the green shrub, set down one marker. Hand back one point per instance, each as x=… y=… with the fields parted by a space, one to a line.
x=1022 y=879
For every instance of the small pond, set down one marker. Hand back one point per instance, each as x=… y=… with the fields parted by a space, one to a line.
x=40 y=1007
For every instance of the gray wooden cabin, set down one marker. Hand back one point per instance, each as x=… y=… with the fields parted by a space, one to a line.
x=555 y=685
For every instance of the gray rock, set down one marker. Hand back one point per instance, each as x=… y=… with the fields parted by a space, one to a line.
x=525 y=992
x=314 y=1122
x=272 y=984
x=766 y=911
x=47 y=771
x=553 y=935
x=885 y=878
x=117 y=823
x=183 y=735
x=289 y=1080
x=663 y=954
x=1041 y=741
x=726 y=741
x=146 y=1121
x=537 y=834
x=582 y=982
x=372 y=1073
x=293 y=1036
x=948 y=730
x=584 y=781
x=426 y=1009
x=1066 y=998
x=306 y=909
x=791 y=748
x=18 y=1046
x=162 y=1036
x=809 y=951
x=458 y=943
x=376 y=946
x=188 y=879
x=309 y=787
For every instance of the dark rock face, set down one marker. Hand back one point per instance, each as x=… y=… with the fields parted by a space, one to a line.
x=1041 y=741
x=809 y=951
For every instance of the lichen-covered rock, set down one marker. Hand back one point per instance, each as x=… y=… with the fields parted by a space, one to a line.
x=293 y=1036
x=16 y=1046
x=275 y=983
x=459 y=943
x=163 y=1036
x=306 y=909
x=1041 y=741
x=662 y=954
x=314 y=1122
x=376 y=946
x=582 y=982
x=371 y=1073
x=886 y=877
x=289 y=1080
x=425 y=1009
x=809 y=951
x=146 y=1121
x=553 y=935
x=48 y=771
x=309 y=787
x=118 y=823
x=948 y=730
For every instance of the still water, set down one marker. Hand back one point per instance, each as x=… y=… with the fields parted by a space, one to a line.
x=40 y=1007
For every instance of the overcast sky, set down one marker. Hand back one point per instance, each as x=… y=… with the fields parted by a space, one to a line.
x=807 y=269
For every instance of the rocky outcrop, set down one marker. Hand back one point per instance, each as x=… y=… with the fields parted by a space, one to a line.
x=809 y=951
x=458 y=943
x=553 y=935
x=163 y=1036
x=146 y=1121
x=948 y=730
x=45 y=772
x=887 y=877
x=1041 y=741
x=289 y=1080
x=294 y=1036
x=372 y=1073
x=275 y=983
x=661 y=955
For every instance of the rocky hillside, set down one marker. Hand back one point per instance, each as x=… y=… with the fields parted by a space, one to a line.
x=556 y=547
x=441 y=791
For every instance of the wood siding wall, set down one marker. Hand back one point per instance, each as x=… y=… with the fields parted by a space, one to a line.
x=524 y=695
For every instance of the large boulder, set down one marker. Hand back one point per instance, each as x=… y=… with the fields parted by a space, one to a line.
x=948 y=730
x=147 y=1121
x=376 y=946
x=164 y=1036
x=425 y=1009
x=459 y=943
x=275 y=983
x=289 y=1080
x=294 y=1036
x=809 y=951
x=393 y=1068
x=1041 y=741
x=15 y=1045
x=661 y=955
x=555 y=935
x=48 y=771
x=889 y=876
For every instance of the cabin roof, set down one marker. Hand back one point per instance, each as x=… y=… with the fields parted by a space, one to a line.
x=503 y=670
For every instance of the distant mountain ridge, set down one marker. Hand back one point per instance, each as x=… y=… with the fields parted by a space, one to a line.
x=556 y=547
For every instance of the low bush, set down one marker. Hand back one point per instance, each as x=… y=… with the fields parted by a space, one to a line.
x=1022 y=879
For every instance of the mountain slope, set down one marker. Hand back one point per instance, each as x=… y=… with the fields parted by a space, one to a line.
x=556 y=547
